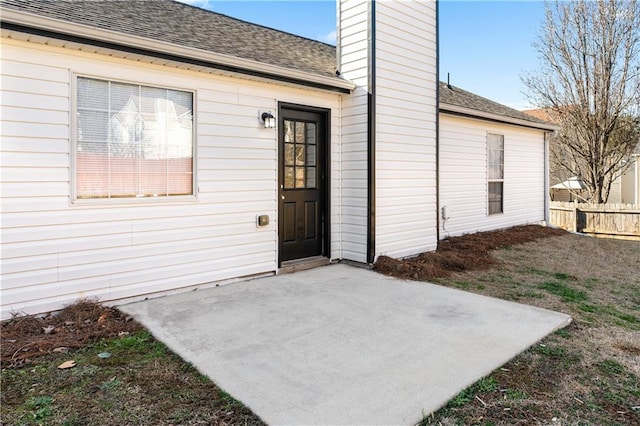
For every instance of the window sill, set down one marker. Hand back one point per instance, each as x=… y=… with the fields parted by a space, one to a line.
x=134 y=201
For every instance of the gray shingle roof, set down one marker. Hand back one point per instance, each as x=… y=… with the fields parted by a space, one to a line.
x=452 y=95
x=185 y=25
x=189 y=26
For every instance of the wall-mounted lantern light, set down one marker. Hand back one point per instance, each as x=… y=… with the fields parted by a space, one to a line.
x=269 y=120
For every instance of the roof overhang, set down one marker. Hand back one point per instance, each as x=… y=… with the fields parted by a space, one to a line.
x=28 y=26
x=474 y=113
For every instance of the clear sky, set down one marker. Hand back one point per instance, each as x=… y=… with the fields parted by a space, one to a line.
x=485 y=45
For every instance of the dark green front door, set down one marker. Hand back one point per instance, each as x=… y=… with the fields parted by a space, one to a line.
x=302 y=183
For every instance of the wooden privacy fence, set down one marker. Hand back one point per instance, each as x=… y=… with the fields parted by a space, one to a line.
x=606 y=220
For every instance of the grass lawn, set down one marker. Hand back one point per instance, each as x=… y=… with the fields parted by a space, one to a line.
x=142 y=383
x=587 y=373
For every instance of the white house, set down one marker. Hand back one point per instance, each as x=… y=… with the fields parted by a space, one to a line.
x=138 y=157
x=626 y=189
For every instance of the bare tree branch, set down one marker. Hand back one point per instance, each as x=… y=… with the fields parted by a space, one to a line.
x=589 y=78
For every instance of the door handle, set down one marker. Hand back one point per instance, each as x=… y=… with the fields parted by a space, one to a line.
x=282 y=196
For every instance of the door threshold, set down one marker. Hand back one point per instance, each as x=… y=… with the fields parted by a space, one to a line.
x=291 y=266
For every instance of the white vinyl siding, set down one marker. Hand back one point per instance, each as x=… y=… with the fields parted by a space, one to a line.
x=54 y=251
x=405 y=90
x=615 y=193
x=353 y=64
x=626 y=189
x=463 y=175
x=630 y=184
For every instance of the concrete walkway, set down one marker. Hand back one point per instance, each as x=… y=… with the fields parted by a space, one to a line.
x=343 y=345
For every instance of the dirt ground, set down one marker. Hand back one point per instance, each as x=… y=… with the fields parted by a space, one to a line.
x=27 y=337
x=465 y=253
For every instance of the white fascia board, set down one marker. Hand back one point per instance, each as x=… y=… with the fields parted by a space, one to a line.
x=455 y=109
x=85 y=31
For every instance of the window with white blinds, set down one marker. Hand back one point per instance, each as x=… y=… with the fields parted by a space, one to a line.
x=132 y=140
x=495 y=173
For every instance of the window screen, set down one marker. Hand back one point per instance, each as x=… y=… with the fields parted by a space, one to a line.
x=495 y=173
x=133 y=140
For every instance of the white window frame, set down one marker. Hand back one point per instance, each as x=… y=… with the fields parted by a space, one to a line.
x=495 y=180
x=73 y=169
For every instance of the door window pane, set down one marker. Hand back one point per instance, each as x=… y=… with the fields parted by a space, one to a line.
x=311 y=155
x=300 y=151
x=289 y=134
x=311 y=177
x=311 y=133
x=288 y=154
x=300 y=181
x=300 y=131
x=300 y=155
x=289 y=181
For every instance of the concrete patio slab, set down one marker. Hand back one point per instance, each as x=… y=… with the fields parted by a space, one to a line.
x=341 y=344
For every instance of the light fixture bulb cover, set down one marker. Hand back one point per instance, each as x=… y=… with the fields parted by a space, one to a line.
x=269 y=120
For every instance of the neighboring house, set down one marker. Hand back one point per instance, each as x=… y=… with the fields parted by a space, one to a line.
x=138 y=156
x=570 y=190
x=625 y=189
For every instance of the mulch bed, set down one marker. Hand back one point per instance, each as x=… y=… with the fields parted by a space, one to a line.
x=84 y=322
x=467 y=252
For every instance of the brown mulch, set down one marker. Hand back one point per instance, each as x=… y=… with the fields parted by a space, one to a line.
x=84 y=322
x=467 y=252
